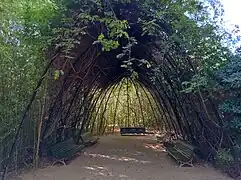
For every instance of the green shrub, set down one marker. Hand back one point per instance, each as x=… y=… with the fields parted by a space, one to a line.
x=223 y=158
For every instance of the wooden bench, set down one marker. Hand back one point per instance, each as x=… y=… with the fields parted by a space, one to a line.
x=88 y=140
x=132 y=130
x=166 y=137
x=182 y=152
x=67 y=149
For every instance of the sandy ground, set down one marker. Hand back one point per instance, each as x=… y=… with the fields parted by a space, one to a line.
x=124 y=158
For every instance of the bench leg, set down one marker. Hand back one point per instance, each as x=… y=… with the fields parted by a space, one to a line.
x=62 y=161
x=189 y=163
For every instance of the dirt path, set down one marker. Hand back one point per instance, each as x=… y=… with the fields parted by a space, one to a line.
x=127 y=158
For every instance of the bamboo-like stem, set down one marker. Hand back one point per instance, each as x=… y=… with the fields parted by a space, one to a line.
x=116 y=105
x=40 y=125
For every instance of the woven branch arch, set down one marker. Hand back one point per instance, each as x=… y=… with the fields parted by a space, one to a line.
x=153 y=62
x=88 y=70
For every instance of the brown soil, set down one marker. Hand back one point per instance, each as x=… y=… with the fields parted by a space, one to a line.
x=124 y=158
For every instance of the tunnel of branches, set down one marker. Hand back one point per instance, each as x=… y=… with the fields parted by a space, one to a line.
x=88 y=78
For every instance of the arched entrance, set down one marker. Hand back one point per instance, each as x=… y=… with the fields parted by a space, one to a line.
x=92 y=54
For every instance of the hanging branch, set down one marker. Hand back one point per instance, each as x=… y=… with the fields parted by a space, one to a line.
x=127 y=101
x=116 y=105
x=138 y=97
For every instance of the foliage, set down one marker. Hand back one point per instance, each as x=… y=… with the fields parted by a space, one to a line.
x=24 y=30
x=196 y=26
x=186 y=23
x=229 y=79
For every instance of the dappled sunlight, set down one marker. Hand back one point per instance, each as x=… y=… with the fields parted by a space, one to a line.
x=103 y=171
x=95 y=167
x=155 y=147
x=113 y=157
x=99 y=170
